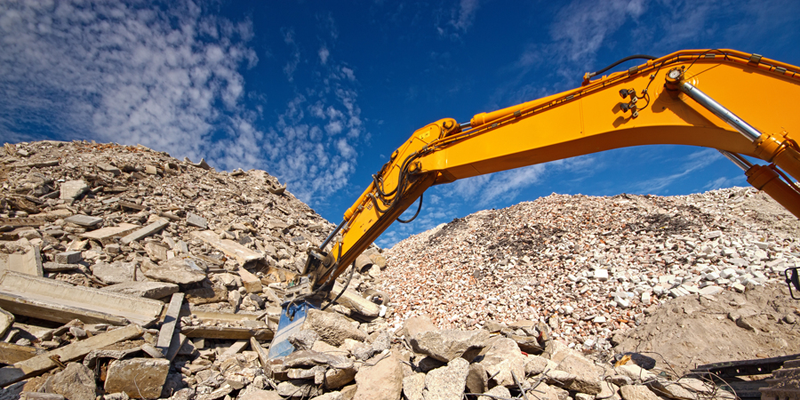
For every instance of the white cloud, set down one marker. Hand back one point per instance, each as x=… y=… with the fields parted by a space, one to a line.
x=459 y=19
x=323 y=55
x=692 y=162
x=488 y=189
x=169 y=78
x=294 y=58
x=122 y=73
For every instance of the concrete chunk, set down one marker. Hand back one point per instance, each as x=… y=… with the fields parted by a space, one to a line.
x=139 y=378
x=53 y=300
x=150 y=290
x=331 y=327
x=354 y=301
x=76 y=382
x=69 y=257
x=250 y=282
x=106 y=235
x=383 y=380
x=196 y=220
x=71 y=190
x=232 y=249
x=445 y=345
x=69 y=352
x=27 y=260
x=145 y=231
x=116 y=272
x=84 y=220
x=181 y=270
x=448 y=382
x=11 y=353
x=170 y=323
x=6 y=319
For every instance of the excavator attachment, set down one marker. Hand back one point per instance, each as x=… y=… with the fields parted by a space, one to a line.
x=793 y=280
x=293 y=315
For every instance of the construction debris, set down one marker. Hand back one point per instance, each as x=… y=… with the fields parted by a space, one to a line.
x=135 y=275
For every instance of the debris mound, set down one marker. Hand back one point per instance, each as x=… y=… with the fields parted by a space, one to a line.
x=589 y=267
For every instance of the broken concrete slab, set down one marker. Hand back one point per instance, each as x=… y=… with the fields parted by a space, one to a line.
x=250 y=282
x=106 y=235
x=11 y=353
x=235 y=348
x=416 y=325
x=84 y=220
x=413 y=385
x=181 y=270
x=354 y=301
x=445 y=345
x=44 y=362
x=6 y=320
x=71 y=190
x=68 y=257
x=637 y=392
x=227 y=332
x=62 y=302
x=115 y=272
x=156 y=251
x=196 y=220
x=171 y=319
x=139 y=378
x=232 y=249
x=150 y=290
x=27 y=260
x=145 y=231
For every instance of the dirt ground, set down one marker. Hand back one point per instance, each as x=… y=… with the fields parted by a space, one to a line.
x=695 y=330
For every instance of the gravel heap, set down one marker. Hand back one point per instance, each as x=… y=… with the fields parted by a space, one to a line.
x=587 y=266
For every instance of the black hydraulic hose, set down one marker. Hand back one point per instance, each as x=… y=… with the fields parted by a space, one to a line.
x=405 y=221
x=633 y=57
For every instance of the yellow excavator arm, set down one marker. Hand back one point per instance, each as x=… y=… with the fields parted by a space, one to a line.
x=739 y=103
x=742 y=104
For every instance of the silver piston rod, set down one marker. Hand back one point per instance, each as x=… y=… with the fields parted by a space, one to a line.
x=723 y=113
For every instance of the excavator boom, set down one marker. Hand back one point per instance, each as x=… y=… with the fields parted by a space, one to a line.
x=739 y=103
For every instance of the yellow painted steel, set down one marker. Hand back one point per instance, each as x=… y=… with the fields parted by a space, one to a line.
x=586 y=120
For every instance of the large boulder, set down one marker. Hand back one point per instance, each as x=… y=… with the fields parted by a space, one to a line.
x=382 y=381
x=413 y=385
x=445 y=345
x=503 y=360
x=417 y=325
x=587 y=374
x=448 y=382
x=76 y=382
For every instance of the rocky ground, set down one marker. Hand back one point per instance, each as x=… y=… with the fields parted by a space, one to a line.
x=590 y=267
x=125 y=273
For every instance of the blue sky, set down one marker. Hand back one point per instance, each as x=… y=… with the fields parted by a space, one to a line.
x=319 y=93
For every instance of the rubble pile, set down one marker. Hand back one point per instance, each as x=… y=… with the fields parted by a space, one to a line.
x=125 y=273
x=589 y=266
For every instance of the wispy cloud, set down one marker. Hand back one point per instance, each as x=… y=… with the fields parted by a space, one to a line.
x=171 y=78
x=691 y=163
x=458 y=20
x=120 y=73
